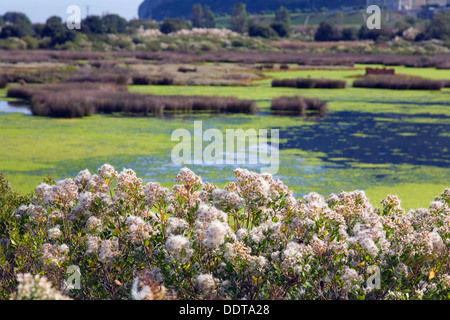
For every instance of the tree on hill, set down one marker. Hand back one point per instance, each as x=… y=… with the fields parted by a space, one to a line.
x=327 y=32
x=202 y=17
x=238 y=22
x=210 y=19
x=173 y=25
x=260 y=30
x=93 y=25
x=114 y=23
x=281 y=28
x=197 y=16
x=283 y=15
x=439 y=27
x=57 y=31
x=16 y=17
x=19 y=25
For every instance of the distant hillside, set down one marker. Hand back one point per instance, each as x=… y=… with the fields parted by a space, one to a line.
x=159 y=9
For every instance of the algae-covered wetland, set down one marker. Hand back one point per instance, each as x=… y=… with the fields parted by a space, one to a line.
x=377 y=140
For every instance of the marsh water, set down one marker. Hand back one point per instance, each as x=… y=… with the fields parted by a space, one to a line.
x=381 y=141
x=14 y=107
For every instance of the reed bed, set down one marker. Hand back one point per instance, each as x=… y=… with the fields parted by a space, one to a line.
x=299 y=105
x=309 y=83
x=186 y=69
x=83 y=99
x=252 y=57
x=161 y=80
x=394 y=83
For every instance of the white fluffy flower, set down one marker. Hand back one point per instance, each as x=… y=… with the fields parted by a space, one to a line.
x=54 y=233
x=36 y=288
x=206 y=283
x=92 y=244
x=82 y=178
x=109 y=250
x=176 y=225
x=215 y=234
x=92 y=223
x=179 y=247
x=107 y=172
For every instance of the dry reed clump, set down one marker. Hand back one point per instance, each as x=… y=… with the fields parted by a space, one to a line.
x=3 y=83
x=134 y=103
x=309 y=83
x=299 y=105
x=83 y=99
x=186 y=69
x=394 y=83
x=160 y=80
x=62 y=100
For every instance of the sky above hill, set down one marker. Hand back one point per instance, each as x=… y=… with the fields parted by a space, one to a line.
x=40 y=10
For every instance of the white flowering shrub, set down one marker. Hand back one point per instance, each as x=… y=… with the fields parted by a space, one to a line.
x=250 y=240
x=209 y=32
x=36 y=288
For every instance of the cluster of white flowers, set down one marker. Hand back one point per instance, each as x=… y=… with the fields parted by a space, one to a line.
x=209 y=32
x=93 y=244
x=410 y=33
x=62 y=194
x=176 y=225
x=228 y=199
x=109 y=250
x=36 y=213
x=188 y=177
x=36 y=288
x=129 y=186
x=153 y=192
x=93 y=224
x=179 y=247
x=54 y=233
x=149 y=32
x=138 y=229
x=107 y=172
x=97 y=184
x=215 y=234
x=296 y=257
x=85 y=200
x=206 y=283
x=82 y=178
x=251 y=184
x=54 y=253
